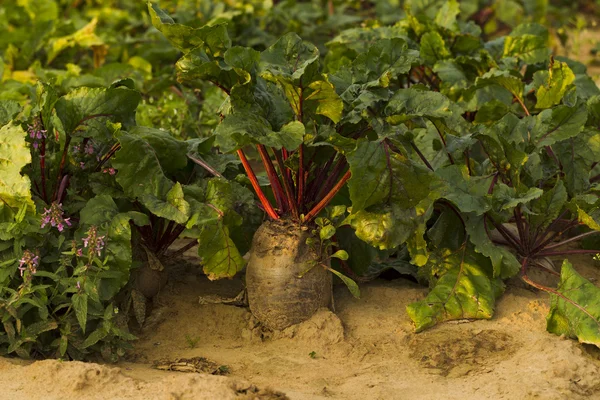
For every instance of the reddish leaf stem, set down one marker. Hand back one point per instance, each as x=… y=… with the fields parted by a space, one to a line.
x=328 y=197
x=566 y=252
x=63 y=161
x=574 y=238
x=525 y=278
x=43 y=168
x=421 y=156
x=273 y=178
x=337 y=170
x=287 y=185
x=300 y=176
x=206 y=166
x=261 y=196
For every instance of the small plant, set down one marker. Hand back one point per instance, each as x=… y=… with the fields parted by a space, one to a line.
x=312 y=355
x=224 y=370
x=192 y=341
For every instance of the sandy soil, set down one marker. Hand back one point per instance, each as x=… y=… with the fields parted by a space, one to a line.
x=366 y=350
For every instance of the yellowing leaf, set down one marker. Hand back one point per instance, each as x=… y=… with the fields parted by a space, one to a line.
x=85 y=37
x=554 y=87
x=328 y=103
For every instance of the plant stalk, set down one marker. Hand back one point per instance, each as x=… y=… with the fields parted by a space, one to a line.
x=287 y=185
x=261 y=196
x=273 y=178
x=328 y=197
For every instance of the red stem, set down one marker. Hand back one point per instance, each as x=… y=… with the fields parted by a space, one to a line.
x=183 y=249
x=550 y=290
x=566 y=252
x=316 y=183
x=421 y=156
x=63 y=161
x=510 y=238
x=337 y=170
x=521 y=228
x=115 y=147
x=43 y=168
x=554 y=236
x=574 y=238
x=300 y=176
x=261 y=196
x=287 y=184
x=273 y=178
x=323 y=203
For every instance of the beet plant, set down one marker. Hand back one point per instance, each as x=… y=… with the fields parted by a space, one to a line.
x=509 y=136
x=311 y=138
x=479 y=157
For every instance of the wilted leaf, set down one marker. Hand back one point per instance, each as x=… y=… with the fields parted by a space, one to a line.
x=554 y=85
x=576 y=312
x=464 y=289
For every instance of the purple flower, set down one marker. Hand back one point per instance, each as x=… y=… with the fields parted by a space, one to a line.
x=93 y=242
x=55 y=217
x=29 y=262
x=78 y=285
x=89 y=148
x=36 y=132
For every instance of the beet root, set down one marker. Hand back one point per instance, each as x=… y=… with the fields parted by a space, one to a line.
x=280 y=291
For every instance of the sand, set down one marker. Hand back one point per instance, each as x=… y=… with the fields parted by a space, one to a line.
x=367 y=349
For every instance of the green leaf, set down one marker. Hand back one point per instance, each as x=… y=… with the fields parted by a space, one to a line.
x=8 y=110
x=142 y=176
x=529 y=42
x=546 y=209
x=64 y=342
x=340 y=254
x=384 y=61
x=576 y=312
x=213 y=38
x=446 y=15
x=290 y=60
x=90 y=107
x=101 y=211
x=327 y=232
x=559 y=123
x=171 y=153
x=324 y=100
x=508 y=79
x=390 y=195
x=433 y=48
x=554 y=85
x=352 y=286
x=464 y=289
x=504 y=263
x=14 y=155
x=409 y=103
x=80 y=305
x=507 y=198
x=468 y=193
x=94 y=338
x=220 y=257
x=240 y=129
